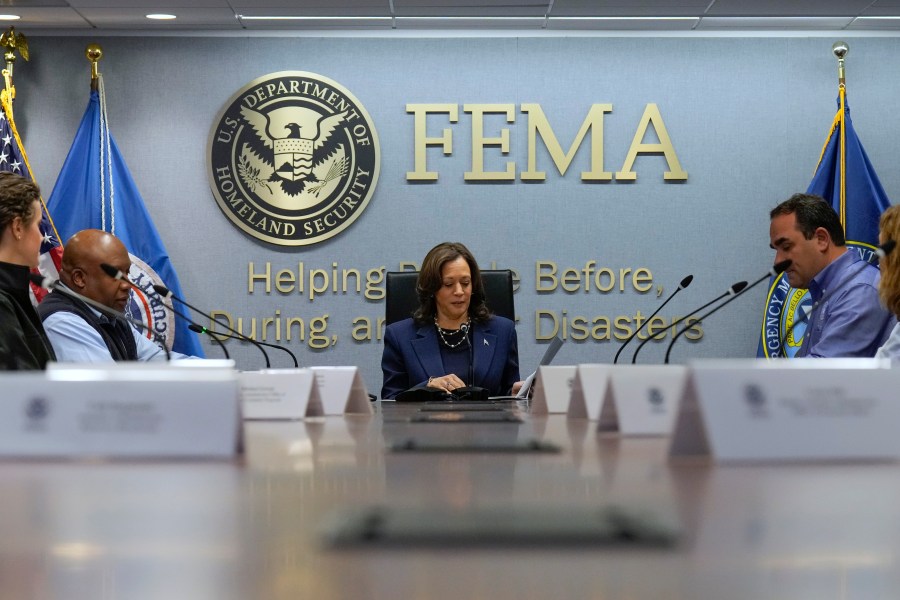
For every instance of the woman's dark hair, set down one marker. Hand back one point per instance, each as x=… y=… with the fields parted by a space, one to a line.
x=17 y=196
x=430 y=281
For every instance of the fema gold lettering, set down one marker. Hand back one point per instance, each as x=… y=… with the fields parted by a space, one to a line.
x=652 y=117
x=421 y=141
x=539 y=128
x=538 y=125
x=480 y=142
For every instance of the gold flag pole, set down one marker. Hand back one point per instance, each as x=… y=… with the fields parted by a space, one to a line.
x=11 y=41
x=840 y=50
x=94 y=53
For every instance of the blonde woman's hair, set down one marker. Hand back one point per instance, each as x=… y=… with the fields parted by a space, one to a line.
x=889 y=288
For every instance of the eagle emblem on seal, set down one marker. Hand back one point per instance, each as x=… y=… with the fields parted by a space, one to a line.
x=293 y=152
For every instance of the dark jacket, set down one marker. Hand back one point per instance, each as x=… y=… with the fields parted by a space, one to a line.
x=23 y=343
x=412 y=355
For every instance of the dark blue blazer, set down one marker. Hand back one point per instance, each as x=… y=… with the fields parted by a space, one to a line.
x=412 y=355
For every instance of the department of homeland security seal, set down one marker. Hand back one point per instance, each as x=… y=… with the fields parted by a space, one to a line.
x=293 y=158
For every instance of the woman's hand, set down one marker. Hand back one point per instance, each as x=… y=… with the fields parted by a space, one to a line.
x=447 y=383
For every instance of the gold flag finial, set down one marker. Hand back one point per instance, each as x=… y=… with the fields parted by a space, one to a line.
x=11 y=41
x=840 y=50
x=94 y=53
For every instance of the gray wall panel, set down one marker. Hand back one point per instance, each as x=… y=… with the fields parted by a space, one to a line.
x=747 y=117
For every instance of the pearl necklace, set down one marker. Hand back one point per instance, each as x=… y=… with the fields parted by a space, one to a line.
x=451 y=332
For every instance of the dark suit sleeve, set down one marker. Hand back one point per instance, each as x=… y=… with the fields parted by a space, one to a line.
x=511 y=370
x=393 y=367
x=15 y=350
x=9 y=333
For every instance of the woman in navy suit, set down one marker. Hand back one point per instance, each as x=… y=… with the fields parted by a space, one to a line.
x=431 y=349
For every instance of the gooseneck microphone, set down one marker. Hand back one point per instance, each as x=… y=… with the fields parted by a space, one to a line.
x=201 y=329
x=684 y=283
x=734 y=289
x=880 y=252
x=119 y=275
x=54 y=286
x=213 y=337
x=776 y=269
x=166 y=293
x=465 y=331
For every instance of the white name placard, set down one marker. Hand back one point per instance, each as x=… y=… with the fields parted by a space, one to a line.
x=279 y=394
x=118 y=412
x=342 y=390
x=589 y=389
x=790 y=410
x=642 y=399
x=552 y=388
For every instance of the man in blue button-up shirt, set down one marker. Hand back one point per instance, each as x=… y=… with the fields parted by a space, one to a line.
x=847 y=318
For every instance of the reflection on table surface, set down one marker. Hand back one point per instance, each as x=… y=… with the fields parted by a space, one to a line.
x=250 y=528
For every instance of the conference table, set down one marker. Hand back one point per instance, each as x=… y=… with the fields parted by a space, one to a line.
x=262 y=525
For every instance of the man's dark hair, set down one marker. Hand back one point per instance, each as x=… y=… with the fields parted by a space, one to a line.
x=811 y=213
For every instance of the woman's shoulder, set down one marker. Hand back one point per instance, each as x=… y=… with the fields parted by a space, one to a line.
x=401 y=328
x=497 y=322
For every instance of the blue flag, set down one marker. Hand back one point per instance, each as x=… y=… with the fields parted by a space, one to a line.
x=95 y=190
x=845 y=177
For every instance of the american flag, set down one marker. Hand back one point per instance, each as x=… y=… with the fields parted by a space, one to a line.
x=13 y=158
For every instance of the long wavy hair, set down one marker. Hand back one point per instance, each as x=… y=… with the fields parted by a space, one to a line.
x=889 y=287
x=430 y=281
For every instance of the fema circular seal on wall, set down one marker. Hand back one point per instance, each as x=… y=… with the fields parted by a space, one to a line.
x=293 y=158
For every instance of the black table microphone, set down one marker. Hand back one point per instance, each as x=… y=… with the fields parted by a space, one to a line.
x=166 y=293
x=734 y=289
x=775 y=270
x=118 y=274
x=684 y=283
x=201 y=329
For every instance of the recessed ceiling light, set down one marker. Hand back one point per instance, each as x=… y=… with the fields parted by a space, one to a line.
x=9 y=17
x=624 y=18
x=471 y=18
x=160 y=16
x=307 y=18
